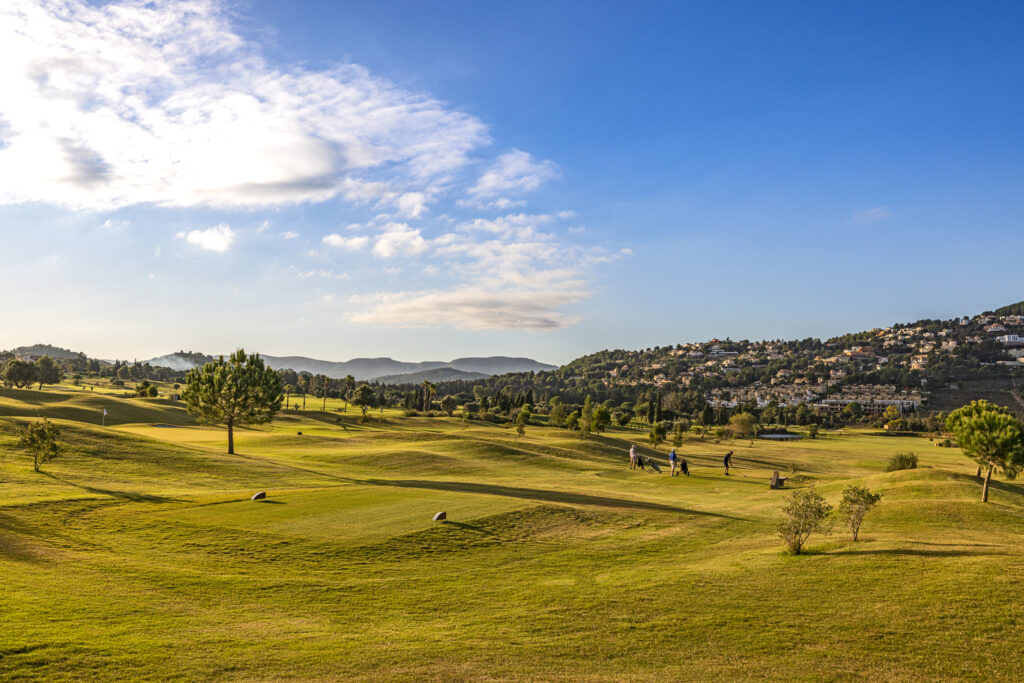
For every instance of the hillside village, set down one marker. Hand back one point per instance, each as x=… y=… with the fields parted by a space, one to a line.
x=902 y=366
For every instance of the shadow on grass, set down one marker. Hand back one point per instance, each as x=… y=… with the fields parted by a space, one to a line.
x=993 y=485
x=267 y=501
x=914 y=552
x=468 y=527
x=132 y=496
x=537 y=494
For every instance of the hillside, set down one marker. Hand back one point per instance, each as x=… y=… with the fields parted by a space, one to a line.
x=137 y=555
x=902 y=365
x=55 y=352
x=1012 y=309
x=435 y=375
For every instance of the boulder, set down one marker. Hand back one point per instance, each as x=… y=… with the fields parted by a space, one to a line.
x=440 y=516
x=259 y=496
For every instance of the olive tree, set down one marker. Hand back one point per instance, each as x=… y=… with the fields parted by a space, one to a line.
x=806 y=512
x=448 y=404
x=857 y=501
x=741 y=424
x=363 y=398
x=40 y=440
x=48 y=371
x=234 y=392
x=991 y=436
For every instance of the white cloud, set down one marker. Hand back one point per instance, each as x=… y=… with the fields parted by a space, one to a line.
x=350 y=243
x=872 y=215
x=398 y=239
x=412 y=204
x=263 y=227
x=217 y=238
x=515 y=171
x=114 y=104
x=290 y=235
x=509 y=273
x=472 y=307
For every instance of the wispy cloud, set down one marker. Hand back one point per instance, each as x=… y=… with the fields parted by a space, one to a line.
x=872 y=215
x=218 y=238
x=510 y=273
x=514 y=172
x=114 y=104
x=290 y=235
x=112 y=225
x=471 y=307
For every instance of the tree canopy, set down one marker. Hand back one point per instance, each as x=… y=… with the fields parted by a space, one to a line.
x=238 y=391
x=991 y=436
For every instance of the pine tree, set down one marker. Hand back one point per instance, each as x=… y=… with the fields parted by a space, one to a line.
x=239 y=391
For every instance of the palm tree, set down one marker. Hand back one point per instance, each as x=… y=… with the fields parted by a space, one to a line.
x=428 y=391
x=350 y=384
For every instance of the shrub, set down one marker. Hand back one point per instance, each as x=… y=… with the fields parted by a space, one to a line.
x=410 y=413
x=901 y=461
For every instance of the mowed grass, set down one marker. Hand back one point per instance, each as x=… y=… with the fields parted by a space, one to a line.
x=138 y=555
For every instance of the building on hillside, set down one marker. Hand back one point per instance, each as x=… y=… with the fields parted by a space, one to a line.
x=1011 y=340
x=994 y=328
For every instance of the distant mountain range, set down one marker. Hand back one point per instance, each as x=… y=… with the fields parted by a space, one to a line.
x=384 y=370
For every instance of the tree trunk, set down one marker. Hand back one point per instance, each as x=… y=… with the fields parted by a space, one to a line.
x=324 y=409
x=978 y=473
x=984 y=490
x=231 y=437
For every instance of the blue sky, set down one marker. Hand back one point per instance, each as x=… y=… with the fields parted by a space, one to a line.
x=430 y=180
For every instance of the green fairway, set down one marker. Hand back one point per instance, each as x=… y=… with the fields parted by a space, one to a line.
x=138 y=554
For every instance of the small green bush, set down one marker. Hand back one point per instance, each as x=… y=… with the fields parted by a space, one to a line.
x=901 y=461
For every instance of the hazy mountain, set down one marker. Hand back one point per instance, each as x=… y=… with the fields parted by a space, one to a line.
x=436 y=375
x=366 y=369
x=499 y=365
